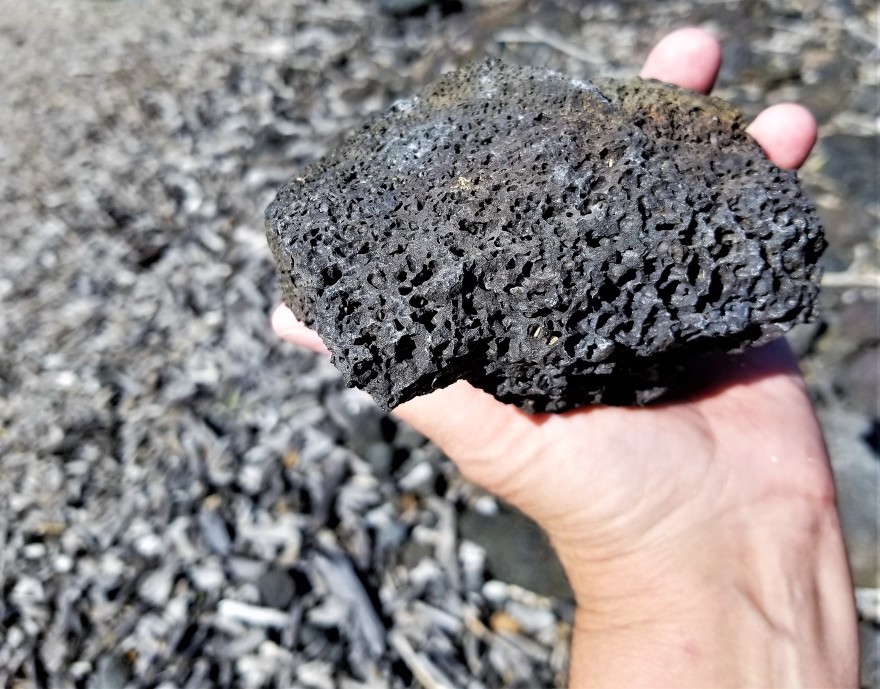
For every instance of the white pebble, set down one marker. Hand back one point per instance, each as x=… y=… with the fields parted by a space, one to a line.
x=208 y=578
x=33 y=551
x=156 y=586
x=486 y=505
x=27 y=591
x=149 y=545
x=63 y=563
x=315 y=675
x=417 y=477
x=255 y=615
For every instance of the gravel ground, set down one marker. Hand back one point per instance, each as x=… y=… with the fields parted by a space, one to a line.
x=188 y=502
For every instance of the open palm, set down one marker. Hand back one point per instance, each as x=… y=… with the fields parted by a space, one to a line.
x=623 y=489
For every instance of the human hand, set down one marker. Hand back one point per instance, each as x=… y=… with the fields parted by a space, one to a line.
x=700 y=536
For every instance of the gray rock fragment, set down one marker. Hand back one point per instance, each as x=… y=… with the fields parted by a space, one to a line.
x=554 y=242
x=276 y=588
x=214 y=531
x=254 y=615
x=113 y=672
x=339 y=576
x=156 y=586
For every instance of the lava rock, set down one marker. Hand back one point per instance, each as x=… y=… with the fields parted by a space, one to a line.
x=554 y=242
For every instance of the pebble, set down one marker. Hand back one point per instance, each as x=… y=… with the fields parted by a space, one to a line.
x=531 y=619
x=486 y=505
x=149 y=545
x=207 y=578
x=328 y=615
x=214 y=532
x=316 y=675
x=868 y=603
x=27 y=592
x=113 y=672
x=63 y=564
x=34 y=551
x=245 y=569
x=245 y=643
x=473 y=565
x=155 y=588
x=418 y=479
x=276 y=588
x=232 y=610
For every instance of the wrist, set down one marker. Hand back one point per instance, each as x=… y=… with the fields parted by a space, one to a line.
x=759 y=601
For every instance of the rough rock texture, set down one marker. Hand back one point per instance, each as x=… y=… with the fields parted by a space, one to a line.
x=553 y=242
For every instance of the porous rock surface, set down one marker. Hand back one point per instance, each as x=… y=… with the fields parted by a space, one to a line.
x=551 y=241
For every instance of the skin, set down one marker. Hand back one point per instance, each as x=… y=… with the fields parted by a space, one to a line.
x=700 y=536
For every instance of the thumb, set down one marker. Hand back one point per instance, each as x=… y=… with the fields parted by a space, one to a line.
x=479 y=433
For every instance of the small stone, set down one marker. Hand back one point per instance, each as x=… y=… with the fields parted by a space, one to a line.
x=113 y=672
x=530 y=618
x=208 y=578
x=486 y=505
x=316 y=675
x=156 y=586
x=149 y=545
x=214 y=532
x=271 y=662
x=503 y=622
x=868 y=603
x=254 y=615
x=551 y=241
x=252 y=477
x=63 y=563
x=473 y=564
x=245 y=568
x=245 y=643
x=330 y=614
x=277 y=588
x=418 y=479
x=28 y=591
x=34 y=551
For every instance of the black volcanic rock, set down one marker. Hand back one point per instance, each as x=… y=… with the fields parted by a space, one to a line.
x=554 y=242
